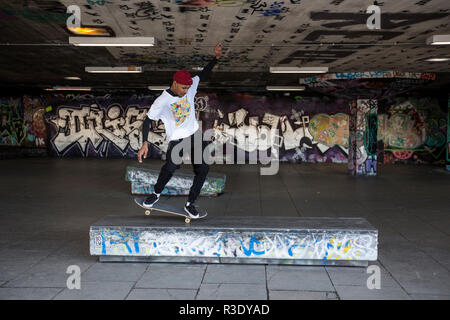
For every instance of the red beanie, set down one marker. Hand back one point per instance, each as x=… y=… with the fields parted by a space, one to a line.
x=183 y=77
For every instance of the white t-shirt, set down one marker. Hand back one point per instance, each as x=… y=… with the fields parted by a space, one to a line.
x=177 y=113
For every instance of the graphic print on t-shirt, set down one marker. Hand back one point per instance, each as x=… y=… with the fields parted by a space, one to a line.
x=180 y=110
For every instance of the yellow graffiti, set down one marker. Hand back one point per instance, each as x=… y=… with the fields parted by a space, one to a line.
x=330 y=130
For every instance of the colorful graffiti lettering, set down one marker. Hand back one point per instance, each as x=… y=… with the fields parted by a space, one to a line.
x=79 y=126
x=22 y=123
x=414 y=130
x=12 y=126
x=266 y=245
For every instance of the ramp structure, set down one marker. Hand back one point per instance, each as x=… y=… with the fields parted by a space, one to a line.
x=254 y=240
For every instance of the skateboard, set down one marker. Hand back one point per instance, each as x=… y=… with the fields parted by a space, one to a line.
x=162 y=207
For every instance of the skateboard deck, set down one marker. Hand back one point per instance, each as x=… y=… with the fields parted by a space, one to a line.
x=162 y=207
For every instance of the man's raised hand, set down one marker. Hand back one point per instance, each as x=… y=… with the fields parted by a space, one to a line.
x=218 y=50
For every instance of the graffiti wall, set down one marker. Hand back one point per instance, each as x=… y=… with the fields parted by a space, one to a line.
x=413 y=130
x=310 y=129
x=96 y=126
x=22 y=122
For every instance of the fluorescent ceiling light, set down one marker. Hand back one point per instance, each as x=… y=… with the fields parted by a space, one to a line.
x=298 y=70
x=72 y=88
x=113 y=41
x=439 y=39
x=284 y=88
x=72 y=78
x=438 y=59
x=158 y=88
x=113 y=69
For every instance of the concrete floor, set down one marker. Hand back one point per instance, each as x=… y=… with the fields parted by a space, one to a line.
x=48 y=204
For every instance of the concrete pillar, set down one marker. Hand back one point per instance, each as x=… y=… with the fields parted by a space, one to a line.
x=363 y=127
x=448 y=135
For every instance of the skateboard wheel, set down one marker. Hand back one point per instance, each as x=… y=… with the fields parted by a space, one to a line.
x=187 y=220
x=147 y=212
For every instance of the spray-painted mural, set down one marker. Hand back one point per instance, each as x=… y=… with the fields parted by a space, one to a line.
x=310 y=129
x=22 y=122
x=89 y=126
x=102 y=128
x=413 y=130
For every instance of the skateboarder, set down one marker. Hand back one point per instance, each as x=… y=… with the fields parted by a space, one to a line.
x=175 y=107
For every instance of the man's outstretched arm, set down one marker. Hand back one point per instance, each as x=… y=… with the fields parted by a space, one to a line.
x=207 y=70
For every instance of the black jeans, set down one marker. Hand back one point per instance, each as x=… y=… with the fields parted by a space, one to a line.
x=200 y=167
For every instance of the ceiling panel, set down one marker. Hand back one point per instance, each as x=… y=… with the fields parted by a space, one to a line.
x=256 y=34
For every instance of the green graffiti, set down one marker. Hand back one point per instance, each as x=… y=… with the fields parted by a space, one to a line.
x=37 y=15
x=13 y=128
x=370 y=134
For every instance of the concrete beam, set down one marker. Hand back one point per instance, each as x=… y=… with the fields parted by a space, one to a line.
x=267 y=240
x=143 y=179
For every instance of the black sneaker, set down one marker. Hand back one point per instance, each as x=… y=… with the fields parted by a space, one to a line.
x=191 y=210
x=150 y=200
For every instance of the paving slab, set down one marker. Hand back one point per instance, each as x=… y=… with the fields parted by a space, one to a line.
x=117 y=272
x=50 y=272
x=28 y=293
x=345 y=276
x=235 y=274
x=162 y=294
x=301 y=295
x=431 y=287
x=11 y=269
x=176 y=276
x=298 y=278
x=363 y=293
x=228 y=291
x=97 y=291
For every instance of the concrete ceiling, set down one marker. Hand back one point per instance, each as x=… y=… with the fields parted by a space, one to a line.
x=34 y=49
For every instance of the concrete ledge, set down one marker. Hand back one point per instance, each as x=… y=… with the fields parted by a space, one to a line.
x=305 y=262
x=268 y=240
x=142 y=182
